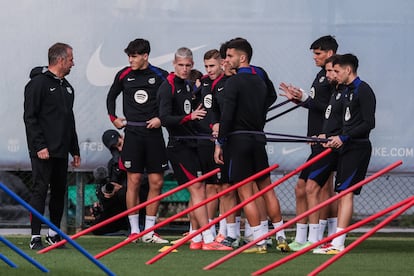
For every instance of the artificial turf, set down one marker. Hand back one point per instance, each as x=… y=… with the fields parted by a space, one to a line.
x=379 y=255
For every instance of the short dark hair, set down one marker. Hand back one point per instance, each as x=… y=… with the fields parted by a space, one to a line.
x=241 y=44
x=347 y=60
x=332 y=59
x=138 y=46
x=213 y=53
x=223 y=49
x=195 y=75
x=56 y=51
x=325 y=43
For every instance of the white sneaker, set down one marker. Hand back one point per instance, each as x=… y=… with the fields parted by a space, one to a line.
x=154 y=238
x=328 y=249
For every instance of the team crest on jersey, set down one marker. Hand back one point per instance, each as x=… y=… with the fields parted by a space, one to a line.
x=127 y=164
x=141 y=96
x=312 y=92
x=208 y=101
x=69 y=90
x=328 y=111
x=151 y=80
x=347 y=114
x=338 y=96
x=187 y=107
x=321 y=79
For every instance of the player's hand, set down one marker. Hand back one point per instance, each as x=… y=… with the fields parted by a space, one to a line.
x=287 y=89
x=119 y=122
x=218 y=155
x=43 y=154
x=76 y=161
x=199 y=113
x=215 y=130
x=335 y=142
x=154 y=123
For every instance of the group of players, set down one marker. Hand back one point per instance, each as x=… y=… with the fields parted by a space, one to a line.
x=219 y=121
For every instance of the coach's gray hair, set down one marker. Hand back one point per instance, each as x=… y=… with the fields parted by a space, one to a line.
x=183 y=52
x=56 y=51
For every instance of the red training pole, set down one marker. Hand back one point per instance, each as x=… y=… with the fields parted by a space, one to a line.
x=305 y=214
x=186 y=211
x=361 y=239
x=239 y=206
x=126 y=212
x=327 y=239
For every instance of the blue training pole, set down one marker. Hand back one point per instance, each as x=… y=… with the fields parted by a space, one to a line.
x=21 y=253
x=7 y=261
x=55 y=228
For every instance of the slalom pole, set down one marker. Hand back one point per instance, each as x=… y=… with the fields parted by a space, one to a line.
x=362 y=238
x=7 y=261
x=327 y=239
x=133 y=237
x=282 y=113
x=126 y=212
x=23 y=254
x=55 y=228
x=278 y=105
x=305 y=214
x=239 y=206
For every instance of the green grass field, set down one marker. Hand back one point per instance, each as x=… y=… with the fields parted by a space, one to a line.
x=379 y=255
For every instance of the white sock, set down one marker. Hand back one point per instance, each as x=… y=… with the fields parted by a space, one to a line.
x=231 y=230
x=322 y=226
x=313 y=232
x=191 y=228
x=51 y=233
x=340 y=240
x=150 y=222
x=238 y=220
x=212 y=228
x=301 y=232
x=265 y=226
x=257 y=233
x=133 y=222
x=280 y=233
x=247 y=229
x=332 y=224
x=207 y=236
x=223 y=227
x=35 y=236
x=197 y=238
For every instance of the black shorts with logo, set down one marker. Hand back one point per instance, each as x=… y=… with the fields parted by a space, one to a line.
x=352 y=165
x=144 y=151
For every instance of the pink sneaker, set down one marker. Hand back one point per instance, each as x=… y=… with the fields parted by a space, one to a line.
x=216 y=246
x=196 y=245
x=220 y=238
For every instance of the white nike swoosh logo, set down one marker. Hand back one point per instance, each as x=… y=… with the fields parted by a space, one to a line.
x=179 y=90
x=289 y=151
x=99 y=74
x=52 y=89
x=205 y=84
x=130 y=79
x=219 y=89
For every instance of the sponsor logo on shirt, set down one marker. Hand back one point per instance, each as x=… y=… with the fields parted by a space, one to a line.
x=141 y=96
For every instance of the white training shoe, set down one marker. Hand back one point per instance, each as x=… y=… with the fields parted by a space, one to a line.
x=154 y=238
x=328 y=249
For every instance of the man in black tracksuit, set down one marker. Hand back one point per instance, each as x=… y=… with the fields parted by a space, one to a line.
x=51 y=135
x=144 y=147
x=247 y=98
x=358 y=119
x=177 y=115
x=316 y=103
